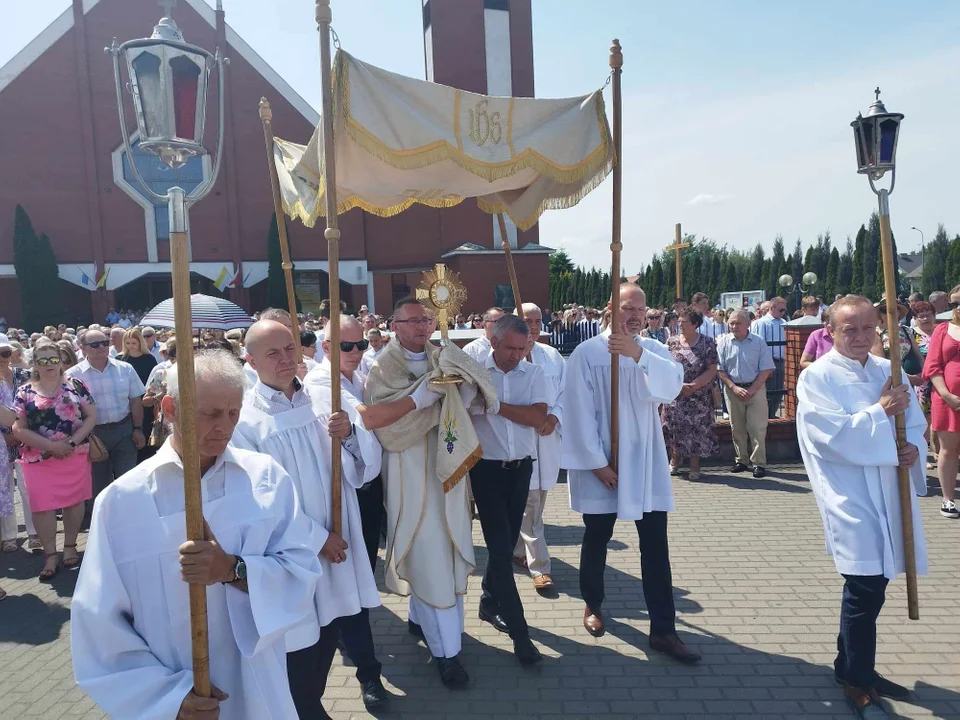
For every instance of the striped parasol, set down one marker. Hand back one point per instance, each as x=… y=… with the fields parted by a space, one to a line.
x=206 y=313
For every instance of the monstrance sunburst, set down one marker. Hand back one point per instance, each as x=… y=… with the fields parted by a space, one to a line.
x=441 y=293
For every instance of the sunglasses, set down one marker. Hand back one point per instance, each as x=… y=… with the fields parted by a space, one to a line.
x=346 y=346
x=953 y=305
x=97 y=344
x=5 y=353
x=43 y=362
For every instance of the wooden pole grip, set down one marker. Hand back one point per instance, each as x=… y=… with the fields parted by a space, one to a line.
x=896 y=375
x=266 y=118
x=189 y=449
x=511 y=270
x=616 y=69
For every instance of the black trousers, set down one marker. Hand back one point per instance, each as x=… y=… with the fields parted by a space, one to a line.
x=775 y=391
x=501 y=496
x=863 y=597
x=654 y=566
x=370 y=497
x=307 y=669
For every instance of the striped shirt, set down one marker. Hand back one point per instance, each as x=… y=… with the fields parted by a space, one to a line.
x=772 y=332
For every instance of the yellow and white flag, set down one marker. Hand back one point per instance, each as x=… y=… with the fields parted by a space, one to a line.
x=400 y=141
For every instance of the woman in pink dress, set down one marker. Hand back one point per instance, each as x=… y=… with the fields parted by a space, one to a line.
x=54 y=420
x=942 y=369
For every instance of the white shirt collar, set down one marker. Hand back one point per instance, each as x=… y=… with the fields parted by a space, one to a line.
x=166 y=455
x=269 y=393
x=491 y=364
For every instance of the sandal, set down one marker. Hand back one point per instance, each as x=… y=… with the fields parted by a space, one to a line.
x=47 y=574
x=34 y=544
x=694 y=476
x=9 y=546
x=70 y=562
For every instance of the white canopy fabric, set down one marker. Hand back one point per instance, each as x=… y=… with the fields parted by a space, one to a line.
x=401 y=141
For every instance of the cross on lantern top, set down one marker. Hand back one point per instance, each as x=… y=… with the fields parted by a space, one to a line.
x=877 y=93
x=167 y=6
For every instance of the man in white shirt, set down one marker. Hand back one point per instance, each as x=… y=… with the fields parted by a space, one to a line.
x=117 y=392
x=116 y=341
x=639 y=489
x=150 y=336
x=501 y=479
x=280 y=418
x=479 y=349
x=845 y=411
x=771 y=328
x=531 y=551
x=375 y=340
x=130 y=615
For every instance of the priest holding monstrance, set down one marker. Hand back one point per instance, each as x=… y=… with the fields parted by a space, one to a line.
x=416 y=400
x=639 y=488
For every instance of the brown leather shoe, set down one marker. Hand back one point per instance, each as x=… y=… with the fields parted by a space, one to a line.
x=673 y=646
x=865 y=702
x=543 y=582
x=593 y=621
x=520 y=562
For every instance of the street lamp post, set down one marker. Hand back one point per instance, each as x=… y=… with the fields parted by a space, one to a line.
x=876 y=138
x=168 y=81
x=805 y=284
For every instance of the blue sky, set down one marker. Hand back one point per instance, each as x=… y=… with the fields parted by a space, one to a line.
x=736 y=113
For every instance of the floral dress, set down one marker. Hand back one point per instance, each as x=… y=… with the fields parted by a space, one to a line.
x=688 y=424
x=55 y=418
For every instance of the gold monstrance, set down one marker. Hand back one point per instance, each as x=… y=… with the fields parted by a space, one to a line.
x=442 y=294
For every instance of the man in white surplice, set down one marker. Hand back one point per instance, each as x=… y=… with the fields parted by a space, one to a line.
x=281 y=419
x=532 y=552
x=640 y=489
x=130 y=616
x=845 y=426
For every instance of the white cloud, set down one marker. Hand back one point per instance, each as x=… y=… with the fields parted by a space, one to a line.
x=708 y=199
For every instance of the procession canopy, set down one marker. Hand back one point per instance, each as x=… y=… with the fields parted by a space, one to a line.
x=401 y=141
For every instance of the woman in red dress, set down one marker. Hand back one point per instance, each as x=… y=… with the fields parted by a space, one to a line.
x=942 y=369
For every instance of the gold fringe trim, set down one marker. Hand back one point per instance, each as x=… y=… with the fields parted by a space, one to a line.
x=472 y=459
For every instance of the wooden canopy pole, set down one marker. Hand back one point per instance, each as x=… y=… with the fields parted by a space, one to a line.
x=616 y=69
x=332 y=234
x=505 y=243
x=903 y=473
x=677 y=246
x=266 y=118
x=187 y=426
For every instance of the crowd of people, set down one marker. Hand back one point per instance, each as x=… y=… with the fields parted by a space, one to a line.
x=90 y=416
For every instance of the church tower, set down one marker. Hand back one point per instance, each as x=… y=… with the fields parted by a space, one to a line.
x=482 y=46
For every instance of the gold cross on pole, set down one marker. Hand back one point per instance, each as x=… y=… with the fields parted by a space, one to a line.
x=677 y=247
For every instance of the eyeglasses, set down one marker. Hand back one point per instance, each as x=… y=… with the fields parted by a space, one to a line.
x=416 y=321
x=43 y=362
x=953 y=305
x=97 y=344
x=6 y=352
x=347 y=346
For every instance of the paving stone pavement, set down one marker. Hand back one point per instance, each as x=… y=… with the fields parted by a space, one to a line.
x=755 y=594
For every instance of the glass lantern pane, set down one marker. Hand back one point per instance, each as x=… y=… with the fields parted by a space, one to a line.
x=147 y=68
x=888 y=138
x=869 y=145
x=186 y=78
x=858 y=139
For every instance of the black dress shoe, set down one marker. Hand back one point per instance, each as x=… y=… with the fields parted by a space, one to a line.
x=738 y=468
x=884 y=688
x=494 y=619
x=526 y=651
x=452 y=673
x=673 y=646
x=374 y=694
x=415 y=629
x=759 y=472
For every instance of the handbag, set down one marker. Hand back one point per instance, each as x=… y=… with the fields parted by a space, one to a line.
x=98 y=451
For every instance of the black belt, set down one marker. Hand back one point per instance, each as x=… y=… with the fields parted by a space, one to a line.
x=111 y=424
x=745 y=386
x=509 y=464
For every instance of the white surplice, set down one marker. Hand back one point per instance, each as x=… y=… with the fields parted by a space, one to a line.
x=848 y=444
x=546 y=469
x=643 y=469
x=130 y=615
x=294 y=432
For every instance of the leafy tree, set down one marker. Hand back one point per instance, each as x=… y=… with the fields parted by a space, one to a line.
x=845 y=275
x=276 y=281
x=38 y=276
x=872 y=259
x=778 y=266
x=935 y=257
x=856 y=281
x=832 y=280
x=953 y=265
x=755 y=274
x=560 y=263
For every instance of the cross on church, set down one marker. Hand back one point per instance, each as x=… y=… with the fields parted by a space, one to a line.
x=167 y=6
x=677 y=247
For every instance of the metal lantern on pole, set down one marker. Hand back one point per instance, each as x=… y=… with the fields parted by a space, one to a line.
x=168 y=81
x=876 y=137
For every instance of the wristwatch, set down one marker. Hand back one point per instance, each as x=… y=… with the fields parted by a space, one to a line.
x=239 y=571
x=71 y=443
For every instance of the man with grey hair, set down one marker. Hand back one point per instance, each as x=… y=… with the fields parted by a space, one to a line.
x=130 y=615
x=744 y=365
x=116 y=341
x=501 y=478
x=940 y=301
x=531 y=552
x=480 y=348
